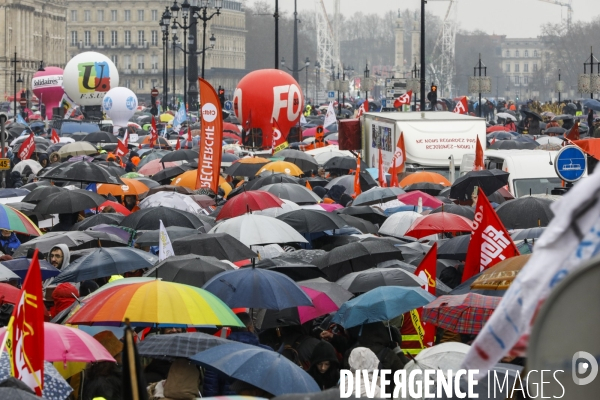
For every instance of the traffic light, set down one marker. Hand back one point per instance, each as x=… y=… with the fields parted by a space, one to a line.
x=432 y=96
x=222 y=96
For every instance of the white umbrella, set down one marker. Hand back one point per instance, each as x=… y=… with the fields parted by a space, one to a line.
x=506 y=116
x=34 y=165
x=287 y=206
x=397 y=224
x=174 y=200
x=6 y=274
x=323 y=154
x=65 y=139
x=252 y=229
x=550 y=140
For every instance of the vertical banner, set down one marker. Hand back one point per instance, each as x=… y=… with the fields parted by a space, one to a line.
x=211 y=138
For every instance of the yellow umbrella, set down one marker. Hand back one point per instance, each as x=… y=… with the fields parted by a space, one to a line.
x=501 y=275
x=188 y=180
x=166 y=117
x=283 y=167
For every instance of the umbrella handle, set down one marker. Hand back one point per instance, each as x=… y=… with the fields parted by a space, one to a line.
x=131 y=361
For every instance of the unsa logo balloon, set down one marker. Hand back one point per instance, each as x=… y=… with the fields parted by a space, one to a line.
x=268 y=94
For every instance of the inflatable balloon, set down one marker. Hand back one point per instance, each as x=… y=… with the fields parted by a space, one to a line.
x=48 y=87
x=119 y=104
x=88 y=77
x=268 y=94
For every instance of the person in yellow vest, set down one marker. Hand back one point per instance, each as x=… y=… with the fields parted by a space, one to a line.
x=412 y=334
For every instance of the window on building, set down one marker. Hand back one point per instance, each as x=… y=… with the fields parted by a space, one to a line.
x=140 y=15
x=535 y=53
x=114 y=38
x=140 y=83
x=140 y=60
x=127 y=62
x=114 y=59
x=516 y=53
x=74 y=15
x=526 y=53
x=535 y=67
x=87 y=38
x=100 y=38
x=141 y=38
x=507 y=69
x=127 y=15
x=87 y=15
x=100 y=15
x=154 y=62
x=154 y=38
x=113 y=15
x=154 y=15
x=525 y=80
x=507 y=53
x=128 y=83
x=526 y=67
x=516 y=67
x=517 y=80
x=74 y=38
x=127 y=38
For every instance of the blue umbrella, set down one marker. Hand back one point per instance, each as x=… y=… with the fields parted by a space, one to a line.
x=265 y=369
x=20 y=266
x=6 y=193
x=381 y=304
x=257 y=288
x=55 y=386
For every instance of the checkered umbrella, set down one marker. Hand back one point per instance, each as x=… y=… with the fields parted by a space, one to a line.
x=465 y=313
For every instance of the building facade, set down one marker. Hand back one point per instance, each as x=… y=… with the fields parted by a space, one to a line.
x=128 y=32
x=36 y=31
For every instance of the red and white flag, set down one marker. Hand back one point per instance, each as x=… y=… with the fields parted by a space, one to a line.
x=279 y=141
x=381 y=174
x=364 y=107
x=54 y=138
x=153 y=133
x=490 y=242
x=461 y=106
x=27 y=148
x=478 y=164
x=189 y=135
x=399 y=159
x=427 y=271
x=404 y=99
x=122 y=148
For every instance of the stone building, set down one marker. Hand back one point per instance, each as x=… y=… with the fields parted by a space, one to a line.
x=36 y=31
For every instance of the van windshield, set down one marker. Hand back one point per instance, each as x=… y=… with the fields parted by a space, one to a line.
x=535 y=185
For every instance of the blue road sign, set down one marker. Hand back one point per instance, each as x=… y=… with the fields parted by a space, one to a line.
x=331 y=94
x=383 y=103
x=229 y=105
x=570 y=163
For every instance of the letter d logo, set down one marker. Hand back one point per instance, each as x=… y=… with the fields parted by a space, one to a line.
x=582 y=363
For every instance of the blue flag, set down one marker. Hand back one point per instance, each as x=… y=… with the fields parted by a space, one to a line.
x=20 y=119
x=180 y=117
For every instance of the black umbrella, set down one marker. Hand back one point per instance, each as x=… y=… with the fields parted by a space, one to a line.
x=101 y=137
x=314 y=181
x=33 y=185
x=40 y=193
x=101 y=218
x=261 y=181
x=413 y=252
x=488 y=180
x=292 y=192
x=328 y=242
x=377 y=195
x=44 y=243
x=81 y=171
x=182 y=345
x=361 y=224
x=165 y=176
x=190 y=269
x=363 y=281
x=219 y=245
x=355 y=257
x=532 y=114
x=455 y=248
x=441 y=288
x=430 y=188
x=244 y=168
x=557 y=130
x=345 y=162
x=149 y=219
x=513 y=145
x=78 y=136
x=500 y=135
x=27 y=209
x=112 y=168
x=338 y=294
x=294 y=269
x=365 y=212
x=464 y=211
x=147 y=181
x=562 y=117
x=522 y=234
x=151 y=238
x=309 y=221
x=179 y=155
x=525 y=212
x=304 y=161
x=366 y=182
x=69 y=201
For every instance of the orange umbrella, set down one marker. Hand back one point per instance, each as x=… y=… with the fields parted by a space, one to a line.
x=132 y=187
x=283 y=167
x=188 y=180
x=501 y=275
x=424 y=176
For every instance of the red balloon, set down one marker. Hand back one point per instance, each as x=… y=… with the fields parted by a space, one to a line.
x=268 y=94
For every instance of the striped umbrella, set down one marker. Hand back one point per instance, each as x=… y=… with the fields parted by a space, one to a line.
x=14 y=220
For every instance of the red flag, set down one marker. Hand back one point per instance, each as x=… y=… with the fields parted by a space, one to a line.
x=404 y=99
x=153 y=133
x=399 y=159
x=279 y=141
x=381 y=174
x=211 y=134
x=427 y=271
x=25 y=331
x=573 y=133
x=478 y=165
x=357 y=189
x=490 y=242
x=122 y=149
x=461 y=106
x=189 y=135
x=394 y=175
x=178 y=145
x=55 y=138
x=364 y=107
x=27 y=148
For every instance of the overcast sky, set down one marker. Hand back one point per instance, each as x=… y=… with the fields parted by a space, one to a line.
x=513 y=18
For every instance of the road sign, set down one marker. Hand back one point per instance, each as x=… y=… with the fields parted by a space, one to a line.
x=4 y=163
x=23 y=102
x=383 y=103
x=331 y=94
x=154 y=92
x=570 y=163
x=229 y=105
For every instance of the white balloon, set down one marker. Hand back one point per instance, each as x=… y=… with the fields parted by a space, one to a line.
x=88 y=77
x=119 y=104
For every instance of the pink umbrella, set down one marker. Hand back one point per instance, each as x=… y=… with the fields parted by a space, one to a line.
x=330 y=207
x=155 y=166
x=412 y=198
x=312 y=132
x=322 y=305
x=63 y=343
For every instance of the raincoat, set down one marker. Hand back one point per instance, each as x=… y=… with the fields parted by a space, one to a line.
x=9 y=245
x=362 y=358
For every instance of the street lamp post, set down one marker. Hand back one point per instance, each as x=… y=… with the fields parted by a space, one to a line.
x=559 y=86
x=480 y=66
x=317 y=79
x=15 y=81
x=295 y=72
x=416 y=74
x=367 y=73
x=164 y=26
x=593 y=61
x=422 y=78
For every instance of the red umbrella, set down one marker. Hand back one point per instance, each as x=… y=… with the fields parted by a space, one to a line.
x=412 y=198
x=465 y=313
x=154 y=166
x=312 y=132
x=9 y=294
x=117 y=206
x=438 y=223
x=232 y=136
x=228 y=126
x=254 y=200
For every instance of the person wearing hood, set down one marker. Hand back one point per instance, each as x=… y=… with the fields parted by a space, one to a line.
x=182 y=382
x=16 y=180
x=63 y=296
x=324 y=366
x=54 y=158
x=363 y=359
x=59 y=256
x=130 y=167
x=8 y=241
x=43 y=160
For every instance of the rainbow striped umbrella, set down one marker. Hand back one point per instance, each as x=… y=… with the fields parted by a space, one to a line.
x=155 y=303
x=14 y=220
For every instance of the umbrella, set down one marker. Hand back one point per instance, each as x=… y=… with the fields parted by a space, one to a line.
x=528 y=233
x=77 y=149
x=55 y=386
x=155 y=302
x=397 y=224
x=500 y=135
x=525 y=212
x=293 y=192
x=381 y=304
x=281 y=167
x=294 y=269
x=100 y=137
x=455 y=248
x=556 y=130
x=314 y=181
x=174 y=345
x=15 y=394
x=97 y=219
x=338 y=294
x=463 y=211
x=69 y=201
x=531 y=114
x=64 y=343
x=512 y=145
x=488 y=180
x=131 y=187
x=151 y=238
x=255 y=200
x=118 y=207
x=367 y=213
x=365 y=179
x=257 y=288
x=154 y=166
x=114 y=233
x=7 y=275
x=426 y=187
x=169 y=188
x=439 y=223
x=147 y=181
x=264 y=180
x=466 y=313
x=219 y=245
x=285 y=207
x=253 y=229
x=73 y=239
x=364 y=281
x=33 y=185
x=246 y=166
x=14 y=220
x=323 y=154
x=166 y=175
x=40 y=193
x=412 y=198
x=189 y=178
x=151 y=155
x=189 y=269
x=304 y=161
x=172 y=200
x=342 y=162
x=412 y=252
x=309 y=221
x=27 y=209
x=424 y=177
x=105 y=262
x=362 y=225
x=377 y=195
x=501 y=275
x=357 y=256
x=149 y=219
x=180 y=155
x=264 y=369
x=32 y=164
x=9 y=294
x=81 y=171
x=506 y=115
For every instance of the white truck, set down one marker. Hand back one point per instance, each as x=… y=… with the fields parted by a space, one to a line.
x=430 y=138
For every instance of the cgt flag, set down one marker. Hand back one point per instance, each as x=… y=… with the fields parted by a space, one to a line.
x=380 y=173
x=461 y=106
x=27 y=148
x=427 y=271
x=479 y=163
x=211 y=134
x=490 y=242
x=398 y=160
x=357 y=188
x=153 y=133
x=25 y=331
x=54 y=138
x=364 y=107
x=404 y=99
x=279 y=141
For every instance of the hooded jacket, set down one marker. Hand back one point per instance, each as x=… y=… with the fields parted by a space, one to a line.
x=63 y=297
x=324 y=351
x=362 y=358
x=66 y=255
